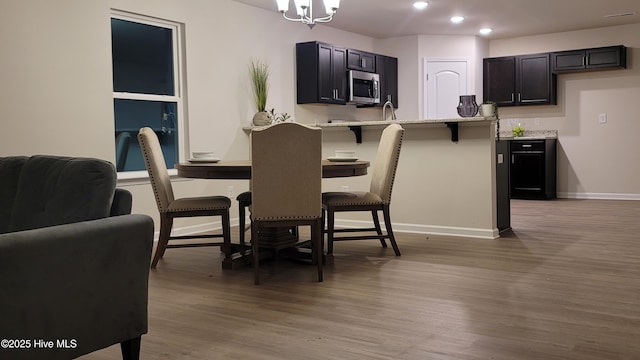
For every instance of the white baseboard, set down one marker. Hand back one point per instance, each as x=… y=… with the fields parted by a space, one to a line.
x=598 y=196
x=427 y=229
x=406 y=228
x=197 y=229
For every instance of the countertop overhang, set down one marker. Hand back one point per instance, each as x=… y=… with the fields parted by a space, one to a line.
x=452 y=124
x=356 y=126
x=468 y=120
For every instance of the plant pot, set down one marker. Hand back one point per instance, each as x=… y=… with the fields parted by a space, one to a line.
x=261 y=118
x=487 y=110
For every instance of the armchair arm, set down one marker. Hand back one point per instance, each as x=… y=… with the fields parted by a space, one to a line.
x=85 y=283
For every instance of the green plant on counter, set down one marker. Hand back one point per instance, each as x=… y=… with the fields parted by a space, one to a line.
x=517 y=131
x=278 y=117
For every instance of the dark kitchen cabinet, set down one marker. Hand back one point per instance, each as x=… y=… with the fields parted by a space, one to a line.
x=321 y=73
x=603 y=58
x=387 y=68
x=360 y=60
x=519 y=80
x=533 y=169
x=503 y=199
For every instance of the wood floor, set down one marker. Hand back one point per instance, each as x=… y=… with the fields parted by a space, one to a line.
x=564 y=284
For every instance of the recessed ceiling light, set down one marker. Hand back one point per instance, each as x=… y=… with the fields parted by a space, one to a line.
x=486 y=31
x=457 y=19
x=420 y=5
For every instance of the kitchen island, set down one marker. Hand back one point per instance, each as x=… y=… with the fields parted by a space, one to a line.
x=442 y=186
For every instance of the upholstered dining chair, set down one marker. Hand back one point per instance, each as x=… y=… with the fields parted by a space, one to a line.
x=286 y=186
x=171 y=208
x=378 y=198
x=122 y=149
x=244 y=201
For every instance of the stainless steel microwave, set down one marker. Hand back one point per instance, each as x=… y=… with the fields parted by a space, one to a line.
x=364 y=87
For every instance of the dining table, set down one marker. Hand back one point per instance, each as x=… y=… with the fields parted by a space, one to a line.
x=241 y=170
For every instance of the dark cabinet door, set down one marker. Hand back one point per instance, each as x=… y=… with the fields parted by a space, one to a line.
x=568 y=60
x=606 y=58
x=610 y=57
x=339 y=74
x=326 y=90
x=519 y=80
x=387 y=68
x=535 y=82
x=503 y=202
x=500 y=80
x=360 y=60
x=321 y=73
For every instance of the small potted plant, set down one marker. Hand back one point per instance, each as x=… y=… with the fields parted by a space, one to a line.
x=490 y=109
x=260 y=80
x=517 y=131
x=278 y=117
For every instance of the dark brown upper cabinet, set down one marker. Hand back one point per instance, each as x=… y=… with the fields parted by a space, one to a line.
x=360 y=60
x=321 y=73
x=519 y=80
x=603 y=58
x=387 y=68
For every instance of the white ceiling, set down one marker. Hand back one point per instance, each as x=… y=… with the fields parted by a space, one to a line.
x=508 y=18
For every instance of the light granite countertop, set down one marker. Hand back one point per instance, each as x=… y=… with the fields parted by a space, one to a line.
x=335 y=124
x=530 y=135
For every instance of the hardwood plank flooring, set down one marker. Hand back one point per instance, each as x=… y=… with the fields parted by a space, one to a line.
x=564 y=284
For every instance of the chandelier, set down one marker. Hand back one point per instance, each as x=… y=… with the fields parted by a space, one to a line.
x=305 y=11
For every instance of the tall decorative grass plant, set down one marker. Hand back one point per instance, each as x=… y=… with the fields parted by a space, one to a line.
x=260 y=80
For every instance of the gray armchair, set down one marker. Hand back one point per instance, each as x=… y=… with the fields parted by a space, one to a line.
x=73 y=273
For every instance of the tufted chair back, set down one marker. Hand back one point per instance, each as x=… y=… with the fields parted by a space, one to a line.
x=286 y=172
x=386 y=163
x=156 y=167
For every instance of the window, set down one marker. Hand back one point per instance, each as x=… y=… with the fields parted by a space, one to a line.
x=146 y=87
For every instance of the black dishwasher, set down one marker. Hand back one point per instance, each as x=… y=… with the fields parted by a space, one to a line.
x=533 y=169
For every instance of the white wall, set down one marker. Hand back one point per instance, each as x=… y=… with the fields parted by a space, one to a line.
x=56 y=92
x=594 y=160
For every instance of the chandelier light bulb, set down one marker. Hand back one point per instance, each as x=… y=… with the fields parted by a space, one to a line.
x=283 y=5
x=304 y=10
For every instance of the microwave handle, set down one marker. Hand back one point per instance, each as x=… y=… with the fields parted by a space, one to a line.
x=376 y=89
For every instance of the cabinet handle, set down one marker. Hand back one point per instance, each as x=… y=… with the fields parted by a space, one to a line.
x=584 y=61
x=513 y=159
x=519 y=97
x=526 y=145
x=363 y=63
x=512 y=98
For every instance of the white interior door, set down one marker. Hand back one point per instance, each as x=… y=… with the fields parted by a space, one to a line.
x=445 y=81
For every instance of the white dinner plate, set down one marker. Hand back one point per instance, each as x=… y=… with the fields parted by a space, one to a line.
x=204 y=160
x=341 y=159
